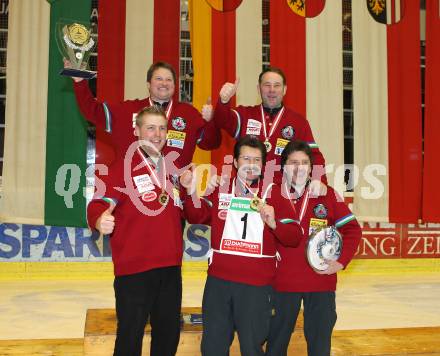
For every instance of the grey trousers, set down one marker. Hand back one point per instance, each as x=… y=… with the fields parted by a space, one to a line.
x=228 y=307
x=319 y=320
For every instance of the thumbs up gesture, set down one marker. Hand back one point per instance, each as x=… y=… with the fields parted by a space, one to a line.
x=207 y=111
x=106 y=222
x=228 y=90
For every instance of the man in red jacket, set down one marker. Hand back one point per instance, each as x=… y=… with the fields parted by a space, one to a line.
x=238 y=291
x=271 y=121
x=186 y=127
x=295 y=280
x=141 y=210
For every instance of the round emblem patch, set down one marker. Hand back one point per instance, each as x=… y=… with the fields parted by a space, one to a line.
x=222 y=214
x=178 y=123
x=149 y=196
x=320 y=211
x=288 y=132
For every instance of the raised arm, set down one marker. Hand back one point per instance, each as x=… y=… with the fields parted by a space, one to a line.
x=93 y=111
x=224 y=116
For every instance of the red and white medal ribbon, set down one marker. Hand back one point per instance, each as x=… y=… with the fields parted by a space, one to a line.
x=275 y=123
x=153 y=174
x=305 y=202
x=169 y=107
x=247 y=187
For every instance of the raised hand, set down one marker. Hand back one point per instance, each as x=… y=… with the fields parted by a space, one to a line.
x=67 y=64
x=106 y=222
x=207 y=110
x=228 y=90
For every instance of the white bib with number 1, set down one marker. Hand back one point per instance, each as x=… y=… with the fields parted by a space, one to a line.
x=243 y=231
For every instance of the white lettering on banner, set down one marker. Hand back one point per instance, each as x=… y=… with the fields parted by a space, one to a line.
x=376 y=246
x=51 y=243
x=36 y=243
x=424 y=245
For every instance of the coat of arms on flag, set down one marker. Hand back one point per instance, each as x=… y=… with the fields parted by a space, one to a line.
x=306 y=8
x=386 y=11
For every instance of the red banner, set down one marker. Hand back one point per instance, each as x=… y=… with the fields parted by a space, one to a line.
x=380 y=241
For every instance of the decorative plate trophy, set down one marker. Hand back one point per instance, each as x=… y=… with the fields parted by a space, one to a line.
x=324 y=244
x=75 y=44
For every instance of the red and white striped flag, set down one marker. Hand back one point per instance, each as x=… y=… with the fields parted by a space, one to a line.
x=387 y=111
x=306 y=42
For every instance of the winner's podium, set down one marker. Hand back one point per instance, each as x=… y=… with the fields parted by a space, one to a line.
x=100 y=333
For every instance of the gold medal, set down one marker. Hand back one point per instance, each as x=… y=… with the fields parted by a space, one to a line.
x=255 y=203
x=268 y=145
x=163 y=198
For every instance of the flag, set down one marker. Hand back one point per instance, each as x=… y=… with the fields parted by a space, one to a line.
x=45 y=141
x=226 y=45
x=431 y=168
x=224 y=5
x=306 y=43
x=387 y=114
x=303 y=8
x=130 y=40
x=44 y=175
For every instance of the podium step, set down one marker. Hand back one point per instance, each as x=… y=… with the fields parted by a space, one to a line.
x=100 y=334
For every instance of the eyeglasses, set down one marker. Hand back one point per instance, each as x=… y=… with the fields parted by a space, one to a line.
x=249 y=159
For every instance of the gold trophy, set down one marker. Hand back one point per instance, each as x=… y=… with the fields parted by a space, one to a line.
x=75 y=43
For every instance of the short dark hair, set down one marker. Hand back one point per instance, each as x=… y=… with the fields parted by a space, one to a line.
x=250 y=141
x=149 y=110
x=272 y=70
x=158 y=65
x=294 y=146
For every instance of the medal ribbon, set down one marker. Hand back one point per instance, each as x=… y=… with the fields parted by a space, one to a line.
x=305 y=202
x=275 y=122
x=247 y=187
x=169 y=107
x=152 y=171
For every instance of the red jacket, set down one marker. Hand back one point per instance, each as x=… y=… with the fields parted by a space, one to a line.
x=117 y=119
x=294 y=273
x=290 y=126
x=139 y=242
x=256 y=271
